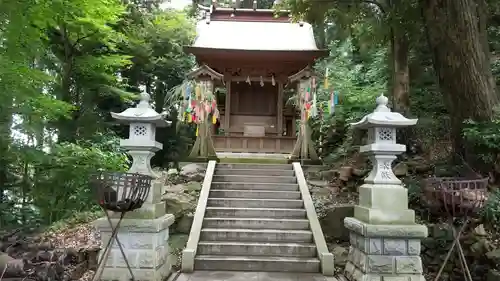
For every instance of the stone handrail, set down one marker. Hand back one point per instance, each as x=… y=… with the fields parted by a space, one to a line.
x=326 y=258
x=189 y=252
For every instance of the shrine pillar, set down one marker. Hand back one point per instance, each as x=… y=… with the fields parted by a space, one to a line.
x=385 y=240
x=279 y=107
x=227 y=110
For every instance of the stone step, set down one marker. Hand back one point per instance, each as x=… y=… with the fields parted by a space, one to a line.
x=257 y=263
x=276 y=213
x=255 y=166
x=254 y=172
x=266 y=179
x=255 y=203
x=256 y=235
x=256 y=223
x=255 y=186
x=254 y=194
x=256 y=249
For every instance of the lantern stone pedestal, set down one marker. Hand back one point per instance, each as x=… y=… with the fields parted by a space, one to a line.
x=144 y=232
x=385 y=240
x=145 y=242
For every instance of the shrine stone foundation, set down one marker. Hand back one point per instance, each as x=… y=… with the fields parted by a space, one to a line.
x=384 y=238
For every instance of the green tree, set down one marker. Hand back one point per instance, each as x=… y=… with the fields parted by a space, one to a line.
x=457 y=35
x=63 y=68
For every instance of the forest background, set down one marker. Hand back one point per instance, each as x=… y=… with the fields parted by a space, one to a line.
x=65 y=65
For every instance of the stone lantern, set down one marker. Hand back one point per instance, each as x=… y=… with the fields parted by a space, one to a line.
x=141 y=143
x=144 y=232
x=385 y=240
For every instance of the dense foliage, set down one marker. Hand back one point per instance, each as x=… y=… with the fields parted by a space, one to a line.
x=64 y=65
x=392 y=47
x=367 y=60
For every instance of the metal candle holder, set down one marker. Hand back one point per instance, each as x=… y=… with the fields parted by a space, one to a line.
x=121 y=193
x=457 y=198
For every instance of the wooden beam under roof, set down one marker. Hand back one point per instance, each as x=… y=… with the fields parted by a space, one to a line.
x=205 y=71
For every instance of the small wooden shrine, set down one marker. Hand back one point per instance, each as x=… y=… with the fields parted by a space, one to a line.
x=252 y=55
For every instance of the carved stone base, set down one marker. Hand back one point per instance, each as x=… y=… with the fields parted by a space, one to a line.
x=141 y=162
x=145 y=242
x=384 y=252
x=384 y=205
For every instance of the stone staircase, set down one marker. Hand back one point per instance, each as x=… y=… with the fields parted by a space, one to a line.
x=255 y=220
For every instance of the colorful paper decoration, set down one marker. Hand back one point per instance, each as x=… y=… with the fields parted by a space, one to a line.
x=310 y=99
x=334 y=100
x=325 y=84
x=198 y=105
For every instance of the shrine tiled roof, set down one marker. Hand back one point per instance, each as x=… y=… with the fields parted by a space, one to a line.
x=252 y=35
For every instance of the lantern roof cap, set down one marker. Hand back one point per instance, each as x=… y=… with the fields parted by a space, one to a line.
x=142 y=113
x=383 y=117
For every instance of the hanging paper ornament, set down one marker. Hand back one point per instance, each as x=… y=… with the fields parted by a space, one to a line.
x=214 y=104
x=334 y=100
x=214 y=119
x=189 y=118
x=196 y=131
x=187 y=92
x=325 y=84
x=197 y=113
x=307 y=106
x=197 y=91
x=314 y=109
x=331 y=103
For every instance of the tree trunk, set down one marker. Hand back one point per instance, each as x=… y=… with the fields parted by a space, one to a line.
x=321 y=34
x=400 y=84
x=66 y=128
x=456 y=36
x=5 y=143
x=400 y=48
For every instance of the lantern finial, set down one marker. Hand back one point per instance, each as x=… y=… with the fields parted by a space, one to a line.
x=382 y=102
x=144 y=100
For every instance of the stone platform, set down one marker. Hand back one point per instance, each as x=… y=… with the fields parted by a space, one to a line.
x=253 y=155
x=249 y=276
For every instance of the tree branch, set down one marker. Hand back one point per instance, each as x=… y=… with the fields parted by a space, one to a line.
x=82 y=38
